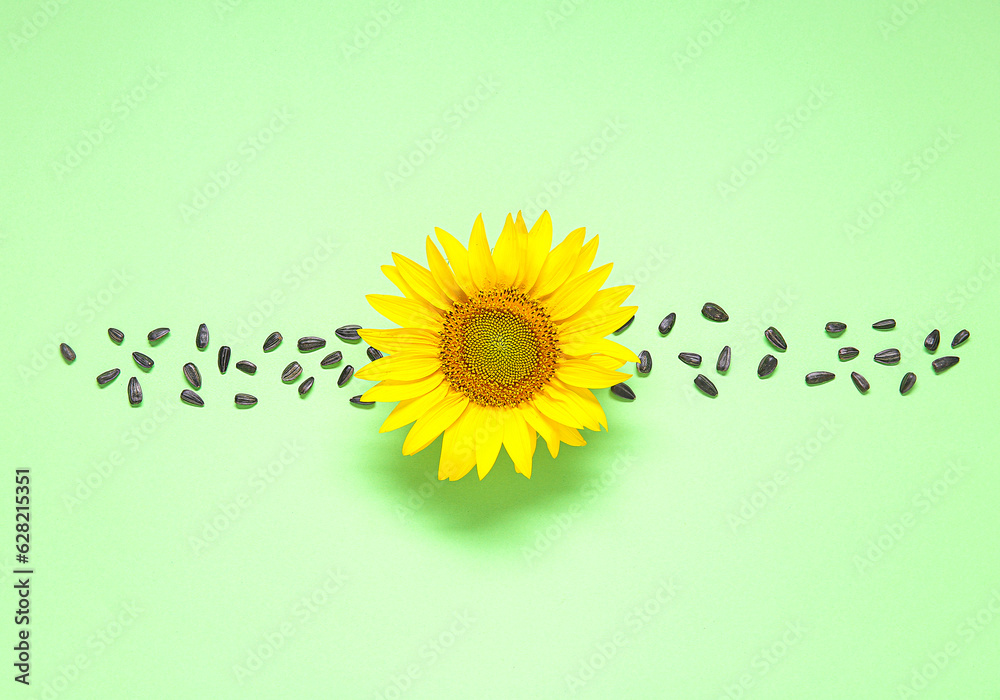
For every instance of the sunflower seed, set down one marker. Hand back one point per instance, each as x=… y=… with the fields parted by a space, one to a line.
x=305 y=386
x=310 y=343
x=624 y=391
x=157 y=334
x=348 y=332
x=116 y=336
x=291 y=372
x=356 y=400
x=224 y=353
x=272 y=341
x=245 y=400
x=705 y=384
x=345 y=376
x=134 y=392
x=714 y=312
x=109 y=376
x=627 y=324
x=67 y=352
x=690 y=358
x=775 y=339
x=667 y=323
x=144 y=361
x=332 y=359
x=645 y=363
x=943 y=363
x=890 y=356
x=201 y=340
x=932 y=340
x=847 y=353
x=836 y=327
x=246 y=366
x=767 y=365
x=192 y=375
x=960 y=338
x=814 y=378
x=374 y=353
x=722 y=365
x=189 y=397
x=884 y=324
x=909 y=379
x=860 y=382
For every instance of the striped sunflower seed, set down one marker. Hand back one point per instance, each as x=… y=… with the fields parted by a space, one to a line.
x=909 y=379
x=690 y=358
x=345 y=376
x=272 y=341
x=767 y=365
x=775 y=339
x=836 y=327
x=310 y=343
x=356 y=400
x=624 y=391
x=932 y=340
x=714 y=312
x=246 y=366
x=847 y=353
x=814 y=378
x=374 y=353
x=224 y=354
x=960 y=338
x=627 y=324
x=667 y=323
x=245 y=400
x=201 y=340
x=943 y=363
x=109 y=376
x=144 y=361
x=291 y=372
x=332 y=359
x=889 y=356
x=157 y=334
x=348 y=332
x=706 y=385
x=722 y=365
x=189 y=397
x=192 y=375
x=67 y=352
x=645 y=363
x=116 y=336
x=305 y=386
x=860 y=382
x=884 y=324
x=134 y=392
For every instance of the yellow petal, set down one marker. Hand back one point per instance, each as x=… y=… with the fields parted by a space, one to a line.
x=397 y=279
x=586 y=398
x=458 y=258
x=434 y=422
x=408 y=410
x=575 y=294
x=397 y=391
x=442 y=274
x=600 y=345
x=506 y=254
x=537 y=421
x=457 y=457
x=422 y=282
x=400 y=366
x=537 y=245
x=399 y=339
x=558 y=264
x=406 y=312
x=608 y=361
x=517 y=441
x=587 y=374
x=481 y=265
x=491 y=423
x=586 y=258
x=565 y=397
x=605 y=302
x=553 y=409
x=588 y=328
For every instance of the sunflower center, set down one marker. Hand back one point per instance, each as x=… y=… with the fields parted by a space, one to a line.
x=498 y=348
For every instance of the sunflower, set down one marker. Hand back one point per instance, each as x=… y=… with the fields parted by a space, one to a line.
x=497 y=348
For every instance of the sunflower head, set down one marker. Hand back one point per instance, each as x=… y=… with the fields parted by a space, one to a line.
x=496 y=347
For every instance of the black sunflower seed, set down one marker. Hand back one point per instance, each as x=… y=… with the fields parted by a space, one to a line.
x=884 y=324
x=224 y=353
x=345 y=376
x=775 y=339
x=624 y=391
x=332 y=359
x=645 y=363
x=960 y=338
x=105 y=377
x=189 y=397
x=192 y=375
x=932 y=340
x=767 y=365
x=667 y=323
x=291 y=372
x=814 y=378
x=310 y=343
x=860 y=382
x=836 y=327
x=356 y=400
x=144 y=361
x=943 y=363
x=889 y=356
x=722 y=365
x=272 y=341
x=201 y=340
x=627 y=324
x=116 y=336
x=705 y=384
x=690 y=358
x=348 y=332
x=157 y=334
x=245 y=400
x=909 y=379
x=246 y=366
x=374 y=353
x=847 y=353
x=134 y=392
x=714 y=312
x=305 y=386
x=67 y=352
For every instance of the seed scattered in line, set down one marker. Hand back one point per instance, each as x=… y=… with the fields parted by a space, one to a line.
x=814 y=378
x=889 y=356
x=224 y=353
x=305 y=386
x=690 y=358
x=932 y=340
x=627 y=324
x=67 y=352
x=860 y=382
x=345 y=376
x=706 y=385
x=943 y=363
x=836 y=327
x=667 y=323
x=624 y=391
x=144 y=361
x=201 y=340
x=847 y=353
x=310 y=343
x=884 y=324
x=909 y=379
x=245 y=400
x=960 y=338
x=246 y=366
x=116 y=336
x=645 y=363
x=348 y=332
x=374 y=353
x=332 y=359
x=714 y=312
x=775 y=339
x=189 y=397
x=109 y=376
x=272 y=341
x=722 y=365
x=291 y=372
x=134 y=392
x=767 y=365
x=356 y=400
x=192 y=375
x=157 y=334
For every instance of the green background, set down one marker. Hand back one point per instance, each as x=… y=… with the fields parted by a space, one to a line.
x=251 y=165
